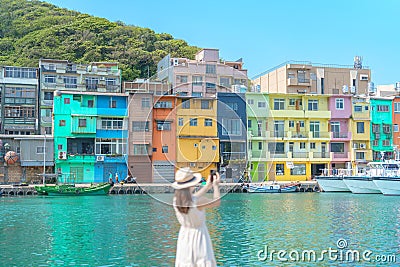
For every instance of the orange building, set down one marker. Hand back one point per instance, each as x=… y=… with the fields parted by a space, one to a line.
x=396 y=123
x=164 y=138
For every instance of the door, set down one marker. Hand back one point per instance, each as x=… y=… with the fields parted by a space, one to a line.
x=291 y=144
x=261 y=172
x=279 y=127
x=323 y=150
x=314 y=128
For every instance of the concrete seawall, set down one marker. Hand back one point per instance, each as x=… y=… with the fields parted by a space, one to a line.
x=128 y=189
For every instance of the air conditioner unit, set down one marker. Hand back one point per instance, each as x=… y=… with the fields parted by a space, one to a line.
x=102 y=78
x=62 y=155
x=160 y=127
x=100 y=158
x=176 y=62
x=363 y=146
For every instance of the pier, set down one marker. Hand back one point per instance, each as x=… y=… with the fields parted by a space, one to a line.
x=129 y=189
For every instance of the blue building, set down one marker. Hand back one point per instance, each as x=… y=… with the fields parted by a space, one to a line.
x=232 y=133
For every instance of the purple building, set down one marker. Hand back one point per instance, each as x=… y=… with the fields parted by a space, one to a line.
x=339 y=125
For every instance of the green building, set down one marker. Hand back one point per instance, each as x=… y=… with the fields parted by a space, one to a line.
x=381 y=128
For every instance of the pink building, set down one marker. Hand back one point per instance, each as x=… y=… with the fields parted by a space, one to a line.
x=339 y=125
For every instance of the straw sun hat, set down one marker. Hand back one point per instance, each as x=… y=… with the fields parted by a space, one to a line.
x=185 y=177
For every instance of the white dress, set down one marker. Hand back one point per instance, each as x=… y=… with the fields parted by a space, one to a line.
x=194 y=246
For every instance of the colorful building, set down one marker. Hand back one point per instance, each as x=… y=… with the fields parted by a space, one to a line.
x=197 y=135
x=164 y=137
x=204 y=76
x=396 y=123
x=298 y=136
x=340 y=128
x=360 y=123
x=258 y=111
x=62 y=75
x=307 y=77
x=232 y=134
x=382 y=128
x=90 y=136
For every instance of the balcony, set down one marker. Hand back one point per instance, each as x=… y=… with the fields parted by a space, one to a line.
x=322 y=135
x=297 y=155
x=227 y=156
x=298 y=82
x=112 y=88
x=299 y=135
x=91 y=87
x=344 y=136
x=340 y=156
x=320 y=155
x=80 y=158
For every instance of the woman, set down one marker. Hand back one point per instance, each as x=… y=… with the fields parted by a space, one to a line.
x=194 y=246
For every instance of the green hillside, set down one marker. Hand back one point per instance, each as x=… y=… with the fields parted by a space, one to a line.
x=30 y=30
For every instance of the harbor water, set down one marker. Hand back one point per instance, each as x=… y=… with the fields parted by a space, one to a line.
x=141 y=230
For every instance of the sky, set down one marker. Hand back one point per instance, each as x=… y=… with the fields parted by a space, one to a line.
x=266 y=33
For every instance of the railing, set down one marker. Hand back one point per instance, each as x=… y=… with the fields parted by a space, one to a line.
x=340 y=155
x=300 y=134
x=278 y=155
x=91 y=87
x=297 y=155
x=321 y=155
x=340 y=135
x=233 y=155
x=278 y=134
x=112 y=88
x=302 y=80
x=320 y=134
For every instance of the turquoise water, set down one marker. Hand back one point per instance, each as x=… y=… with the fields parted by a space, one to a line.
x=138 y=230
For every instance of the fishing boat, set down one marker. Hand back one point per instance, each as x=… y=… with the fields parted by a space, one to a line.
x=271 y=188
x=72 y=190
x=333 y=181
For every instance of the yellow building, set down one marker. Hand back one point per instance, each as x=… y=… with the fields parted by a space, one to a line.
x=360 y=124
x=197 y=136
x=297 y=136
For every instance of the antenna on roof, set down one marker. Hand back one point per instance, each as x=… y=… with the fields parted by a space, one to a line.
x=358 y=62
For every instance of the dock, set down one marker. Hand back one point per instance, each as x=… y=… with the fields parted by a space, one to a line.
x=129 y=189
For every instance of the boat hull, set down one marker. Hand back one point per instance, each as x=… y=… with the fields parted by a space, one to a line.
x=388 y=186
x=272 y=189
x=70 y=190
x=332 y=184
x=361 y=185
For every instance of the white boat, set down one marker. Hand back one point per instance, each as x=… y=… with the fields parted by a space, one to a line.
x=271 y=188
x=361 y=185
x=389 y=186
x=332 y=184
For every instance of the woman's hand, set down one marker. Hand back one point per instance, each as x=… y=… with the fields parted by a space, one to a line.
x=216 y=179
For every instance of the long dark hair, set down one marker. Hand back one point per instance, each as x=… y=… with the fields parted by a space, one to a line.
x=183 y=200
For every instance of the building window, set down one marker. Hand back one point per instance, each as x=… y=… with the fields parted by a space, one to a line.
x=205 y=104
x=292 y=102
x=181 y=79
x=17 y=72
x=210 y=85
x=163 y=104
x=250 y=101
x=375 y=142
x=298 y=169
x=357 y=108
x=50 y=79
x=197 y=80
x=249 y=123
x=207 y=122
x=186 y=104
x=397 y=107
x=67 y=100
x=312 y=104
x=312 y=145
x=360 y=127
x=302 y=145
x=262 y=104
x=279 y=104
x=259 y=145
x=231 y=127
x=339 y=103
x=210 y=69
x=225 y=82
x=335 y=128
x=60 y=147
x=193 y=122
x=386 y=128
x=337 y=147
x=291 y=124
x=70 y=82
x=76 y=98
x=164 y=125
x=62 y=123
x=233 y=106
x=48 y=130
x=164 y=149
x=382 y=108
x=375 y=128
x=82 y=122
x=395 y=128
x=112 y=123
x=301 y=124
x=145 y=102
x=112 y=104
x=140 y=149
x=48 y=95
x=386 y=142
x=39 y=150
x=109 y=146
x=360 y=156
x=180 y=121
x=279 y=169
x=140 y=126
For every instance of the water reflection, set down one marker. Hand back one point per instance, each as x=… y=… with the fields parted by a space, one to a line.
x=137 y=230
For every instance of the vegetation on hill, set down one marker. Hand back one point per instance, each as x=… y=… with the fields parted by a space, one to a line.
x=30 y=30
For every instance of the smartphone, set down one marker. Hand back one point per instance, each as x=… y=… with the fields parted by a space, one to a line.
x=212 y=174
